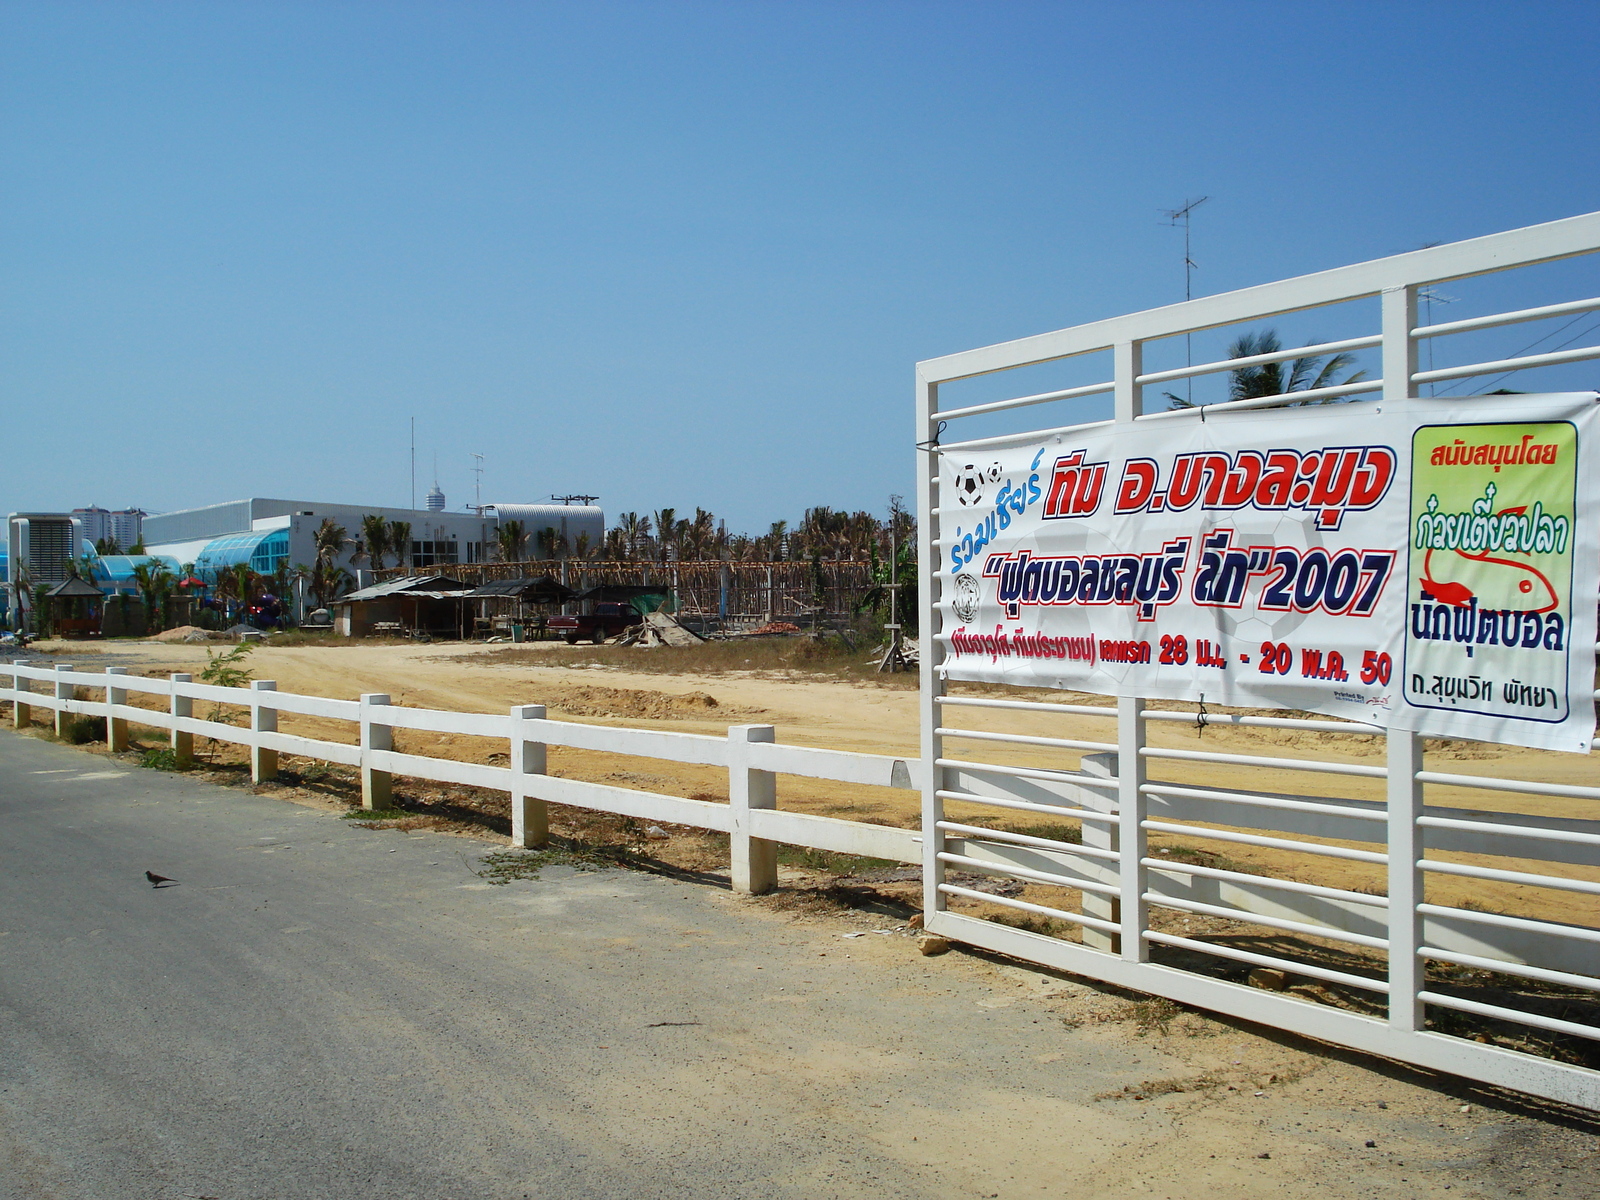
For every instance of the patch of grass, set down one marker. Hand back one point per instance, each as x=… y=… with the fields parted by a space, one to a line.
x=506 y=866
x=1033 y=923
x=1071 y=834
x=829 y=655
x=1154 y=1015
x=834 y=864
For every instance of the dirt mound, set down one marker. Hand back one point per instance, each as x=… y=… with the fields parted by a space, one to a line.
x=628 y=702
x=184 y=633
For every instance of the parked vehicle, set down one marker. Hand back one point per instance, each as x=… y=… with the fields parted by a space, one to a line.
x=607 y=620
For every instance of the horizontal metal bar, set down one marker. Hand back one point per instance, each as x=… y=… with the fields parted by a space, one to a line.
x=1283 y=885
x=951 y=889
x=1266 y=843
x=1506 y=318
x=1526 y=787
x=1267 y=960
x=1499 y=876
x=1377 y=816
x=1523 y=831
x=973 y=410
x=1572 y=932
x=1029 y=773
x=980 y=833
x=1077 y=710
x=1509 y=364
x=1523 y=970
x=1553 y=1024
x=1351 y=727
x=1024 y=739
x=1233 y=364
x=1081 y=814
x=1032 y=436
x=1250 y=760
x=1552 y=240
x=1281 y=400
x=1066 y=881
x=1250 y=918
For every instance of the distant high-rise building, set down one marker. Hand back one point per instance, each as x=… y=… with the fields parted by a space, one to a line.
x=124 y=526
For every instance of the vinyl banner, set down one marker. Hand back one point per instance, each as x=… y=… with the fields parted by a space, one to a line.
x=1432 y=565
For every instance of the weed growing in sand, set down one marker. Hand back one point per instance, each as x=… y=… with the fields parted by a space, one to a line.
x=161 y=758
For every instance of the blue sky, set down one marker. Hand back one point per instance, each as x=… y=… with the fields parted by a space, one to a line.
x=687 y=254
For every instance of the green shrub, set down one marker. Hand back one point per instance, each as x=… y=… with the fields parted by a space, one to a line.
x=79 y=731
x=161 y=758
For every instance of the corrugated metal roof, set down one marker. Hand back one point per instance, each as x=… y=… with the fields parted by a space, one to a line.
x=435 y=587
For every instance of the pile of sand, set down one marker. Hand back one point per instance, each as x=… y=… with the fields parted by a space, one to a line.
x=628 y=702
x=185 y=633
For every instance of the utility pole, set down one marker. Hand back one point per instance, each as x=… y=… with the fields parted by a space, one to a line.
x=1180 y=216
x=413 y=462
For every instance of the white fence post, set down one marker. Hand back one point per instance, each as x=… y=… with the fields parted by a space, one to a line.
x=754 y=860
x=21 y=714
x=263 y=719
x=377 y=787
x=63 y=693
x=1132 y=841
x=530 y=817
x=1405 y=881
x=116 y=727
x=181 y=708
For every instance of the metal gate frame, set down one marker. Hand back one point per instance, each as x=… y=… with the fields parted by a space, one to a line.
x=1122 y=881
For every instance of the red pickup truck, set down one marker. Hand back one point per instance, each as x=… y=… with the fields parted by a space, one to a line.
x=607 y=620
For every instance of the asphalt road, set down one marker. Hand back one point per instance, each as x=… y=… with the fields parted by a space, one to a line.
x=318 y=1010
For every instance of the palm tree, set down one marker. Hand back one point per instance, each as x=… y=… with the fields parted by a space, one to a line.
x=154 y=581
x=329 y=539
x=512 y=538
x=666 y=520
x=400 y=542
x=551 y=542
x=699 y=535
x=328 y=583
x=777 y=537
x=1269 y=379
x=635 y=531
x=375 y=539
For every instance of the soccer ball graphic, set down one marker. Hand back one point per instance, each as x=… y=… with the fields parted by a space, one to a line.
x=970 y=481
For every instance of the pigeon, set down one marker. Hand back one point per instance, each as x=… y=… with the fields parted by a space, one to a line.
x=157 y=880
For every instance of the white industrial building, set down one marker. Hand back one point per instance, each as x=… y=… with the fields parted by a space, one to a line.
x=265 y=532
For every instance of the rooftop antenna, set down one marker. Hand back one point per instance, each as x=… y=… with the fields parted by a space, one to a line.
x=1180 y=216
x=413 y=462
x=575 y=499
x=477 y=487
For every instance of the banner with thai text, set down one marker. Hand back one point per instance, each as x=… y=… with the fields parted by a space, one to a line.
x=1432 y=565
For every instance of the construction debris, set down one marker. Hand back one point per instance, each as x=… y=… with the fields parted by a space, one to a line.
x=659 y=629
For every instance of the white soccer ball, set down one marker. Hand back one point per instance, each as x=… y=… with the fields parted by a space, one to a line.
x=970 y=481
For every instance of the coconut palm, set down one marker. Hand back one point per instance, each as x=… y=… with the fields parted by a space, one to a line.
x=512 y=539
x=329 y=541
x=400 y=542
x=634 y=531
x=1270 y=379
x=375 y=539
x=666 y=522
x=154 y=581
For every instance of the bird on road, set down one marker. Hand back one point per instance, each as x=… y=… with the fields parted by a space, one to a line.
x=157 y=880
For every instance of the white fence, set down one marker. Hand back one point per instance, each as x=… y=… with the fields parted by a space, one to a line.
x=752 y=758
x=1130 y=904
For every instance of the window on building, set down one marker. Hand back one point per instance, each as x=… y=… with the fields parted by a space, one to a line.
x=433 y=554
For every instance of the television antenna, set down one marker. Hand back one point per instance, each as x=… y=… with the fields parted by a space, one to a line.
x=1180 y=216
x=477 y=487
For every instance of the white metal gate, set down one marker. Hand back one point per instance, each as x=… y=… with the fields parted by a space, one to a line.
x=1411 y=910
